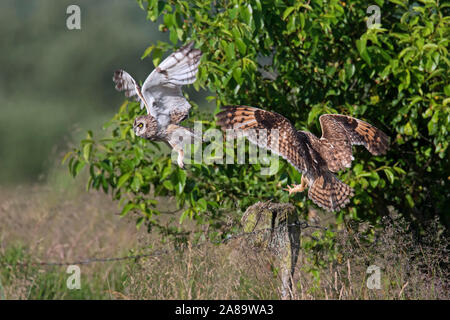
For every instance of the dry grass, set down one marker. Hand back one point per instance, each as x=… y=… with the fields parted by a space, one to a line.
x=40 y=223
x=44 y=224
x=62 y=227
x=410 y=268
x=205 y=272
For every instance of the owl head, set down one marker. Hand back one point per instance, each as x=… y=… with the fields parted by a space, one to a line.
x=140 y=126
x=146 y=127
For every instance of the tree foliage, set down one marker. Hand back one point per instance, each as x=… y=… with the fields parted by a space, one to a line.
x=301 y=59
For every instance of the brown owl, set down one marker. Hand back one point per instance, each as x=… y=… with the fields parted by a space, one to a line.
x=317 y=159
x=161 y=95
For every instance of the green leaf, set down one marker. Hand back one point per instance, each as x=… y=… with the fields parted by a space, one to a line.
x=169 y=20
x=432 y=127
x=136 y=183
x=361 y=46
x=184 y=215
x=291 y=26
x=168 y=185
x=182 y=177
x=246 y=13
x=399 y=170
x=157 y=55
x=87 y=151
x=389 y=175
x=374 y=179
x=123 y=178
x=302 y=20
x=410 y=200
x=447 y=90
x=77 y=167
x=237 y=75
x=230 y=53
x=201 y=203
x=166 y=172
x=408 y=129
x=415 y=99
x=139 y=222
x=349 y=70
x=127 y=208
x=342 y=75
x=173 y=35
x=66 y=156
x=358 y=168
x=287 y=12
x=147 y=51
x=240 y=45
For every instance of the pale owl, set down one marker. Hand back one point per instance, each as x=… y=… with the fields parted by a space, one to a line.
x=162 y=97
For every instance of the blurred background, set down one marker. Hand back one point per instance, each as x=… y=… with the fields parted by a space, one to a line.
x=56 y=83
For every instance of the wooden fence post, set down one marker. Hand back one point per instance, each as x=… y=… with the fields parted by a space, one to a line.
x=274 y=226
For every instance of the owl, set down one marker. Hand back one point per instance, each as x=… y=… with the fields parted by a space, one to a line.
x=163 y=99
x=317 y=159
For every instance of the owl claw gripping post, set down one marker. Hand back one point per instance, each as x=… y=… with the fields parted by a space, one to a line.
x=162 y=97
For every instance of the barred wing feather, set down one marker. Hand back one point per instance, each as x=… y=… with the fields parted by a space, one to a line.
x=162 y=88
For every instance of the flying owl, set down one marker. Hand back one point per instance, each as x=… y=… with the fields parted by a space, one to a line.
x=161 y=95
x=317 y=159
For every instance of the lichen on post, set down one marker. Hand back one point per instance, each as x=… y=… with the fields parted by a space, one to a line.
x=275 y=227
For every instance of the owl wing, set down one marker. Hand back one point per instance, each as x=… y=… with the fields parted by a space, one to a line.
x=326 y=190
x=162 y=88
x=271 y=131
x=340 y=133
x=125 y=82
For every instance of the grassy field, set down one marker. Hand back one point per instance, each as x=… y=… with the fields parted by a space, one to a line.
x=56 y=84
x=57 y=221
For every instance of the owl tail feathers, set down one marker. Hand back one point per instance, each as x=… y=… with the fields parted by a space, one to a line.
x=330 y=193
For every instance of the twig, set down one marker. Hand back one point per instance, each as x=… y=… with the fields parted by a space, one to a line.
x=403 y=288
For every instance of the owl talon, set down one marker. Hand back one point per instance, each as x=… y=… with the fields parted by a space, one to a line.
x=298 y=187
x=295 y=188
x=180 y=159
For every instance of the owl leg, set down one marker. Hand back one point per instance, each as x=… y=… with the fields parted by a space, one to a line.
x=180 y=152
x=298 y=187
x=180 y=158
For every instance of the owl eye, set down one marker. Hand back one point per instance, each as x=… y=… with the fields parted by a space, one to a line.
x=140 y=125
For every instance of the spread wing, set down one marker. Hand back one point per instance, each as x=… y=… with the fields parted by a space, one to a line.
x=297 y=147
x=162 y=88
x=340 y=132
x=125 y=82
x=271 y=131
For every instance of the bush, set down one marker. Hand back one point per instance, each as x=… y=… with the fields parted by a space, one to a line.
x=301 y=59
